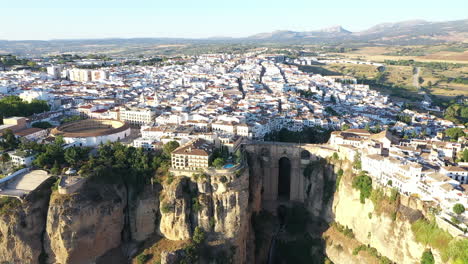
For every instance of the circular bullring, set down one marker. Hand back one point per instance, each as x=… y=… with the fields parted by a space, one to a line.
x=92 y=132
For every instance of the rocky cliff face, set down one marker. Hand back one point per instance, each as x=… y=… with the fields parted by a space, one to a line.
x=22 y=228
x=84 y=226
x=216 y=203
x=318 y=188
x=81 y=227
x=390 y=235
x=144 y=214
x=175 y=210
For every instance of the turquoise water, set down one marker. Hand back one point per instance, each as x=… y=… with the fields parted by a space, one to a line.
x=228 y=166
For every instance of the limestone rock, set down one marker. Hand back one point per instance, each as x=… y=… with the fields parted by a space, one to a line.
x=392 y=238
x=221 y=209
x=21 y=229
x=144 y=216
x=175 y=210
x=82 y=227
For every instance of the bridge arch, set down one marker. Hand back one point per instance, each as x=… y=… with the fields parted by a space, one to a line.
x=284 y=178
x=281 y=168
x=305 y=155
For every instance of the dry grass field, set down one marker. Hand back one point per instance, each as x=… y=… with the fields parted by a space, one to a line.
x=442 y=53
x=436 y=80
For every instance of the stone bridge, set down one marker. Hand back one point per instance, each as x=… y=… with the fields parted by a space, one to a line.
x=281 y=167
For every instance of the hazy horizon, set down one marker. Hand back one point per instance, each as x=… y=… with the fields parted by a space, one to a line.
x=55 y=20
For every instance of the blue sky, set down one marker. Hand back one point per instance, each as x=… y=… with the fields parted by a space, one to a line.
x=62 y=19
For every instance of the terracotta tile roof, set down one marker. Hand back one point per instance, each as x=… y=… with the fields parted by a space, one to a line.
x=197 y=147
x=455 y=169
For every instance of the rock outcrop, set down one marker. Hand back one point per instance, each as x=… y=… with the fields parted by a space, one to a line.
x=175 y=207
x=22 y=227
x=84 y=226
x=219 y=204
x=144 y=214
x=390 y=235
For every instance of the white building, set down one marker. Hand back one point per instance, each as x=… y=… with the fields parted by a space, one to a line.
x=80 y=75
x=54 y=71
x=30 y=95
x=459 y=174
x=137 y=116
x=22 y=158
x=193 y=155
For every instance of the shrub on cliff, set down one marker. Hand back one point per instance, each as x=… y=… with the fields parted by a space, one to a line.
x=143 y=258
x=428 y=233
x=427 y=257
x=8 y=204
x=457 y=251
x=196 y=206
x=219 y=163
x=363 y=183
x=166 y=207
x=458 y=209
x=198 y=236
x=193 y=250
x=357 y=161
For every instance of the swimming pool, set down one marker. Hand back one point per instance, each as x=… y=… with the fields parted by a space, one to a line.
x=228 y=166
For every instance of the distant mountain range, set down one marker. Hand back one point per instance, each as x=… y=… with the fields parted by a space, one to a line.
x=336 y=31
x=401 y=33
x=414 y=32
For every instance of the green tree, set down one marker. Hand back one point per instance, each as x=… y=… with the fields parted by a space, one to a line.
x=457 y=113
x=9 y=140
x=455 y=132
x=427 y=257
x=59 y=141
x=14 y=106
x=5 y=157
x=169 y=147
x=55 y=169
x=405 y=119
x=52 y=153
x=219 y=162
x=345 y=127
x=357 y=161
x=364 y=184
x=74 y=156
x=465 y=155
x=378 y=128
x=71 y=156
x=198 y=236
x=31 y=64
x=238 y=156
x=458 y=209
x=43 y=125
